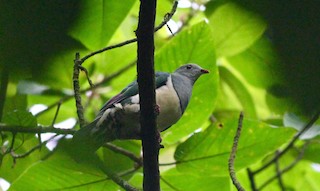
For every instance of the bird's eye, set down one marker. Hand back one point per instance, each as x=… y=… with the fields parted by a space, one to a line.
x=189 y=67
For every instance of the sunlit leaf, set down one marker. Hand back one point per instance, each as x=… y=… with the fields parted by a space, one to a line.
x=193 y=180
x=312 y=152
x=240 y=90
x=193 y=45
x=257 y=64
x=234 y=29
x=61 y=172
x=11 y=170
x=99 y=20
x=208 y=152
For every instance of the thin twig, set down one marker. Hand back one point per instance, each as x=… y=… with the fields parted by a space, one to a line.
x=130 y=171
x=170 y=30
x=124 y=152
x=56 y=114
x=39 y=139
x=291 y=143
x=105 y=80
x=76 y=87
x=87 y=75
x=278 y=172
x=167 y=17
x=186 y=20
x=12 y=143
x=169 y=163
x=252 y=181
x=108 y=48
x=16 y=156
x=36 y=130
x=233 y=155
x=289 y=167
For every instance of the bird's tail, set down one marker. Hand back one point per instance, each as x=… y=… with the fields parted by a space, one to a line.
x=89 y=138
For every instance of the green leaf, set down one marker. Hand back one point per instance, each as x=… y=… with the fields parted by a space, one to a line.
x=192 y=180
x=257 y=64
x=11 y=170
x=307 y=180
x=240 y=90
x=61 y=172
x=208 y=152
x=16 y=102
x=20 y=118
x=193 y=45
x=234 y=29
x=99 y=20
x=312 y=152
x=119 y=162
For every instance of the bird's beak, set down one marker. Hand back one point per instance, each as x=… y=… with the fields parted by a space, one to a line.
x=204 y=71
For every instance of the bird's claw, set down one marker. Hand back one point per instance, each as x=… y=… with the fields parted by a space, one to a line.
x=159 y=140
x=157 y=109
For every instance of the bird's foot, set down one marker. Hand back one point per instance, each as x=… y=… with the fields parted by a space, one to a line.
x=157 y=109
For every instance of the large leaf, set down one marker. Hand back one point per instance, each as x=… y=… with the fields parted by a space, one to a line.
x=307 y=180
x=175 y=180
x=99 y=20
x=10 y=170
x=16 y=102
x=301 y=177
x=312 y=152
x=208 y=152
x=118 y=162
x=193 y=45
x=234 y=29
x=240 y=90
x=20 y=118
x=257 y=64
x=60 y=172
x=15 y=114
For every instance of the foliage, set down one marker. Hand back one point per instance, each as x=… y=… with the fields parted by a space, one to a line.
x=229 y=39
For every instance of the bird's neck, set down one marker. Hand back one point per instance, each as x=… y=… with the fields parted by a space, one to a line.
x=183 y=87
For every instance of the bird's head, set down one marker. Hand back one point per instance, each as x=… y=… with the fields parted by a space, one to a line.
x=191 y=71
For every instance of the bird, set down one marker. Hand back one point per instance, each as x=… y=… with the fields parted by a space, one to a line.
x=119 y=118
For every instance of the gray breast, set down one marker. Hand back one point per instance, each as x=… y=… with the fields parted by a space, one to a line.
x=183 y=87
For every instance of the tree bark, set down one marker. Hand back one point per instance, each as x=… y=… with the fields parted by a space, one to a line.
x=145 y=68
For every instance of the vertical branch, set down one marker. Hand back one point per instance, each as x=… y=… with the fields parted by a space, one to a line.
x=145 y=68
x=251 y=178
x=233 y=155
x=76 y=87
